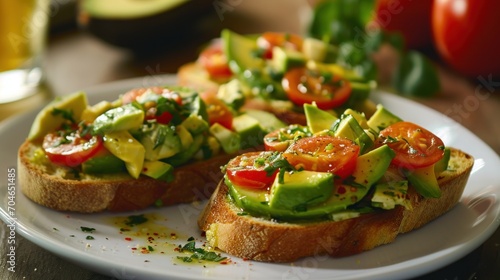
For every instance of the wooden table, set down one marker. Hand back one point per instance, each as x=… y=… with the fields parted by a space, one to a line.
x=76 y=60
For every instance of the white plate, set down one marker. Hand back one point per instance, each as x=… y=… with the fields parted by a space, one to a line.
x=438 y=244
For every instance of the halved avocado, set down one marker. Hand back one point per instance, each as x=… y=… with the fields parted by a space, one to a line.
x=141 y=24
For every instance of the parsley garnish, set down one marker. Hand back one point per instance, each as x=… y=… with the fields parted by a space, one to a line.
x=198 y=253
x=87 y=229
x=135 y=220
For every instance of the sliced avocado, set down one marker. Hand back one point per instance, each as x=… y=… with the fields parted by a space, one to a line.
x=381 y=119
x=209 y=148
x=92 y=112
x=317 y=119
x=360 y=117
x=195 y=105
x=240 y=51
x=232 y=94
x=185 y=136
x=371 y=167
x=389 y=194
x=300 y=190
x=424 y=181
x=318 y=50
x=268 y=121
x=160 y=141
x=158 y=170
x=46 y=120
x=195 y=124
x=442 y=164
x=105 y=164
x=349 y=128
x=229 y=140
x=127 y=148
x=127 y=9
x=285 y=59
x=187 y=154
x=125 y=117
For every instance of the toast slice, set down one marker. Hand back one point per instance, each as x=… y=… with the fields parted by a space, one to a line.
x=61 y=188
x=264 y=240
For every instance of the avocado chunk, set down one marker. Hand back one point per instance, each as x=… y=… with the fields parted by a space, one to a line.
x=127 y=148
x=195 y=124
x=317 y=50
x=381 y=119
x=285 y=59
x=249 y=129
x=389 y=194
x=158 y=170
x=185 y=136
x=239 y=51
x=232 y=94
x=92 y=112
x=105 y=164
x=349 y=128
x=371 y=166
x=424 y=181
x=125 y=117
x=160 y=141
x=268 y=121
x=48 y=119
x=127 y=8
x=442 y=164
x=299 y=190
x=188 y=153
x=318 y=120
x=229 y=140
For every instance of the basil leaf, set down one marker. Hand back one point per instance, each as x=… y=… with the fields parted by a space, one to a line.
x=416 y=76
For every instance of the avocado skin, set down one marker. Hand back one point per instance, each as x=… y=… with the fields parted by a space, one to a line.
x=150 y=32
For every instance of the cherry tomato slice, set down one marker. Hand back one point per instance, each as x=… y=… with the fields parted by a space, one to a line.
x=214 y=61
x=217 y=110
x=325 y=154
x=415 y=146
x=280 y=139
x=247 y=170
x=70 y=149
x=268 y=40
x=305 y=86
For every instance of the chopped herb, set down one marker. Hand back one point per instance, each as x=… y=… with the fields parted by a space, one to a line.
x=151 y=249
x=198 y=253
x=87 y=229
x=55 y=229
x=89 y=237
x=66 y=114
x=159 y=203
x=135 y=220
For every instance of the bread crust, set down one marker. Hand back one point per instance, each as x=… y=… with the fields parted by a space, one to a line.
x=52 y=186
x=269 y=241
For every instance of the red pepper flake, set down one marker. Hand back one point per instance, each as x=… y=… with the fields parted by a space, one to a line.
x=133 y=248
x=128 y=239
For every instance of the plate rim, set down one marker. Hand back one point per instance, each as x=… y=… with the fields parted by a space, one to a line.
x=416 y=270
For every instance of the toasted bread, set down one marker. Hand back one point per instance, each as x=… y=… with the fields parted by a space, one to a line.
x=265 y=240
x=62 y=188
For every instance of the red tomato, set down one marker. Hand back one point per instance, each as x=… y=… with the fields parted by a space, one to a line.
x=325 y=154
x=415 y=146
x=307 y=86
x=411 y=18
x=217 y=110
x=280 y=139
x=268 y=40
x=464 y=35
x=247 y=170
x=71 y=149
x=214 y=61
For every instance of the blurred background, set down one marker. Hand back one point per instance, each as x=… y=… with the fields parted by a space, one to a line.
x=449 y=50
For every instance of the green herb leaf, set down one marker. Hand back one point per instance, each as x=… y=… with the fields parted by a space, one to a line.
x=135 y=220
x=416 y=76
x=87 y=229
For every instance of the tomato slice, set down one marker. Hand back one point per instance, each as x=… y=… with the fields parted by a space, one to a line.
x=415 y=146
x=217 y=110
x=324 y=154
x=268 y=40
x=247 y=170
x=280 y=139
x=214 y=61
x=70 y=149
x=305 y=86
